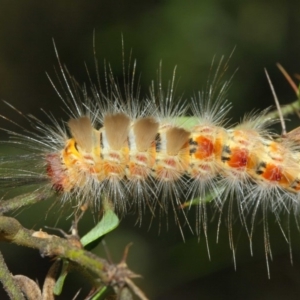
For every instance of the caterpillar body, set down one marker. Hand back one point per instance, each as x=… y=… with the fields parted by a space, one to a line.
x=143 y=154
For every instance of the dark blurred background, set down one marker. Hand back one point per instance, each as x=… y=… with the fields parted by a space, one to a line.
x=183 y=33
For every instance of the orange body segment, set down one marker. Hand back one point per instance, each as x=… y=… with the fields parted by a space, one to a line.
x=203 y=153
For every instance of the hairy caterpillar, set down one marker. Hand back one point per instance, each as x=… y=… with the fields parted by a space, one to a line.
x=143 y=154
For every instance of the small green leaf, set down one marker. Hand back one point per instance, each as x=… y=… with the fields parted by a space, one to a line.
x=61 y=279
x=100 y=293
x=108 y=223
x=187 y=122
x=208 y=198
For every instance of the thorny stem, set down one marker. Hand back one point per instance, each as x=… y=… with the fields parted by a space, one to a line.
x=8 y=281
x=49 y=245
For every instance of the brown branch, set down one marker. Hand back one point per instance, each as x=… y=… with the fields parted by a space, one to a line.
x=116 y=275
x=49 y=283
x=29 y=288
x=50 y=245
x=9 y=284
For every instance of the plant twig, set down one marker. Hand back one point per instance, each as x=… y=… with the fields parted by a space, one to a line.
x=22 y=200
x=285 y=110
x=9 y=284
x=49 y=245
x=280 y=115
x=29 y=288
x=288 y=78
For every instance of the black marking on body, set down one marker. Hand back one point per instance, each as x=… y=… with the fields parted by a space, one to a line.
x=128 y=143
x=193 y=150
x=225 y=153
x=76 y=147
x=101 y=140
x=261 y=168
x=225 y=158
x=294 y=184
x=157 y=142
x=192 y=142
x=226 y=149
